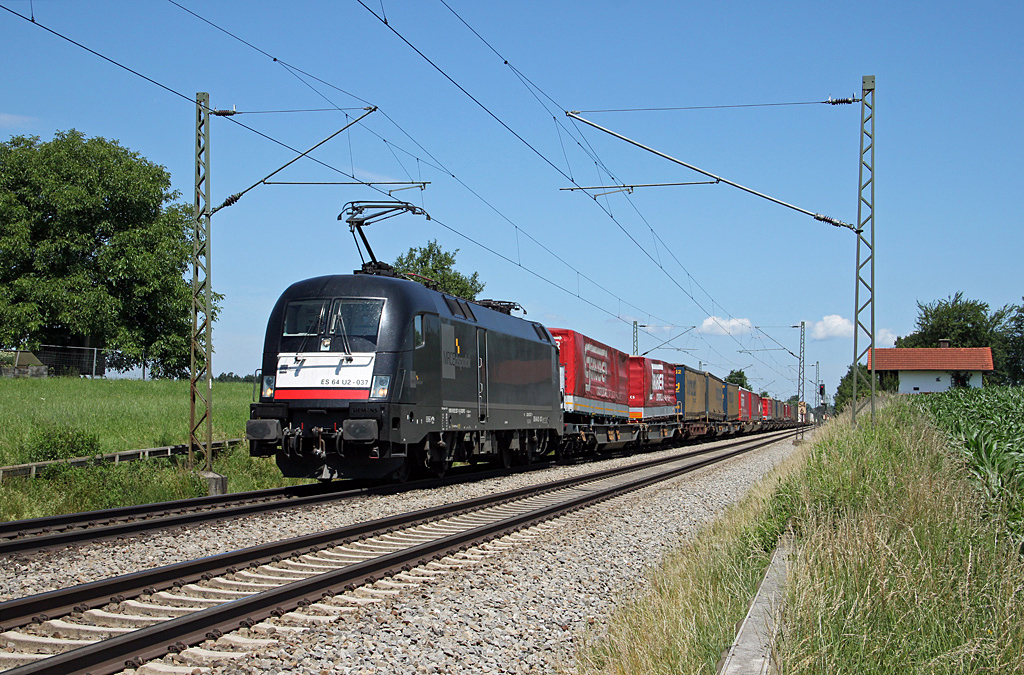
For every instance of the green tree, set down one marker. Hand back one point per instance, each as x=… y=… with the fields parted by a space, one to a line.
x=438 y=265
x=844 y=392
x=93 y=252
x=965 y=323
x=738 y=377
x=1014 y=354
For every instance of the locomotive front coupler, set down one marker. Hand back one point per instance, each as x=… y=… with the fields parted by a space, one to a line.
x=291 y=442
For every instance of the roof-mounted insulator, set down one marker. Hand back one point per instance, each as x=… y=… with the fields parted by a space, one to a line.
x=503 y=306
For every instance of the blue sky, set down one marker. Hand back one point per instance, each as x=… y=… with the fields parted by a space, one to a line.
x=496 y=149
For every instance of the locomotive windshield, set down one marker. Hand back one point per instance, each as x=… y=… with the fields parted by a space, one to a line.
x=339 y=325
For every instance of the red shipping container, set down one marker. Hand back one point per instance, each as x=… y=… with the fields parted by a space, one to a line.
x=595 y=375
x=744 y=398
x=767 y=408
x=652 y=388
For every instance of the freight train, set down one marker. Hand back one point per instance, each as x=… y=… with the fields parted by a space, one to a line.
x=370 y=375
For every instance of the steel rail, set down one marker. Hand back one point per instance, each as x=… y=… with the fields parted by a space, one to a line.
x=41 y=607
x=132 y=649
x=23 y=536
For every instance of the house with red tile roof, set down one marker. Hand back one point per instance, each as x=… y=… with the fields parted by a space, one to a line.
x=929 y=370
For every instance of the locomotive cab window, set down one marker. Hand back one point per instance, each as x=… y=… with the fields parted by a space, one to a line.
x=302 y=318
x=419 y=338
x=354 y=324
x=340 y=325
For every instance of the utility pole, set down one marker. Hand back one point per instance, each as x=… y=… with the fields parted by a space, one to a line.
x=864 y=314
x=636 y=344
x=201 y=378
x=800 y=389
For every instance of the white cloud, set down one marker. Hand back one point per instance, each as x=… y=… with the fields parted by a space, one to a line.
x=8 y=121
x=832 y=326
x=714 y=325
x=835 y=326
x=885 y=338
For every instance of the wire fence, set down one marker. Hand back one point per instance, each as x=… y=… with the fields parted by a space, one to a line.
x=55 y=360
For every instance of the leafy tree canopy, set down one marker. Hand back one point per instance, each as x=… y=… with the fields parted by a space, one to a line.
x=844 y=392
x=438 y=265
x=965 y=323
x=93 y=252
x=738 y=377
x=1014 y=354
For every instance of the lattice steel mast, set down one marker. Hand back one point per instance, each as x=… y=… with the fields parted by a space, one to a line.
x=865 y=244
x=800 y=389
x=201 y=380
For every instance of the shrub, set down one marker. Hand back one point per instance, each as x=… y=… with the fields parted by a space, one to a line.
x=62 y=442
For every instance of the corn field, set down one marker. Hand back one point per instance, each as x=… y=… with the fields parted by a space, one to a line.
x=988 y=425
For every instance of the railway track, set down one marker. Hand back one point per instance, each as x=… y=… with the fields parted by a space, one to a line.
x=51 y=532
x=25 y=536
x=121 y=622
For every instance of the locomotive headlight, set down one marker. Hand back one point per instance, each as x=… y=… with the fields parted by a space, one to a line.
x=267 y=391
x=379 y=387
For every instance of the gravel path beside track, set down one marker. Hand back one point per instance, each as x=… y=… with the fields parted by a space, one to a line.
x=521 y=611
x=516 y=612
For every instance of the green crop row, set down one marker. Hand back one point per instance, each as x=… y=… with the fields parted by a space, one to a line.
x=988 y=427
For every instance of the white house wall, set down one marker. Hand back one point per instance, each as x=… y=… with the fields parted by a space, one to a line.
x=930 y=381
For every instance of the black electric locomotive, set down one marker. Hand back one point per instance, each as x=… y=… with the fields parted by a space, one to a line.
x=371 y=376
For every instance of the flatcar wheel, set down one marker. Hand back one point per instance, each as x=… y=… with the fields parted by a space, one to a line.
x=402 y=473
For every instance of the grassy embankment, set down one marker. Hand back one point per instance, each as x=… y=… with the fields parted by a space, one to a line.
x=906 y=562
x=67 y=417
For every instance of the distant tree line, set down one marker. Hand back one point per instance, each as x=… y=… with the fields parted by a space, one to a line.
x=231 y=377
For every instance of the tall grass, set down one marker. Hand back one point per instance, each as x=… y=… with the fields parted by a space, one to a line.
x=898 y=569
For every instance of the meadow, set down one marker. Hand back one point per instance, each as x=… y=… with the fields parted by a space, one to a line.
x=42 y=419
